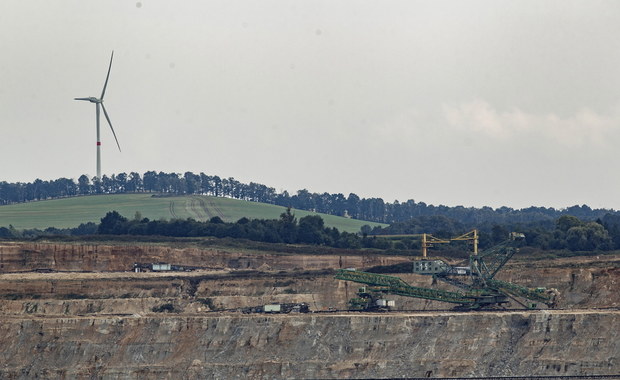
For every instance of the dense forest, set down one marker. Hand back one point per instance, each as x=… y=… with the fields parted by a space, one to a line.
x=371 y=209
x=564 y=233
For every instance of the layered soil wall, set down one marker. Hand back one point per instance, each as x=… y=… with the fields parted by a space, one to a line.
x=18 y=257
x=312 y=346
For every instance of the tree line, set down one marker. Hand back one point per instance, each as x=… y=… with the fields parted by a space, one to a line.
x=287 y=229
x=371 y=209
x=567 y=233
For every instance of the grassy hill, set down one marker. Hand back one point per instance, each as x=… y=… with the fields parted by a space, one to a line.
x=70 y=212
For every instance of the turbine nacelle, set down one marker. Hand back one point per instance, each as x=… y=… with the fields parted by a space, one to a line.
x=92 y=99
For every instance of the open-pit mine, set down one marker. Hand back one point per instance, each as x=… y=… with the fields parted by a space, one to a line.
x=157 y=311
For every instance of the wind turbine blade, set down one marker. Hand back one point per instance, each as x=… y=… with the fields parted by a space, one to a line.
x=88 y=99
x=112 y=128
x=107 y=77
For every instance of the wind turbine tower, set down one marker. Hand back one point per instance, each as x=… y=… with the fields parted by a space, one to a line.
x=99 y=104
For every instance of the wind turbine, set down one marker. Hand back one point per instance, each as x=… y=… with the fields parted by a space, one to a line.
x=98 y=103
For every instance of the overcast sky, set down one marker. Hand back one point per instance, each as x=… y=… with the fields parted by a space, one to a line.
x=473 y=103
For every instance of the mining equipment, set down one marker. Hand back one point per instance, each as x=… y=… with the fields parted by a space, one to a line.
x=279 y=308
x=162 y=267
x=476 y=283
x=368 y=300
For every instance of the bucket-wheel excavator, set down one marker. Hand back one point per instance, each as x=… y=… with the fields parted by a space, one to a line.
x=476 y=283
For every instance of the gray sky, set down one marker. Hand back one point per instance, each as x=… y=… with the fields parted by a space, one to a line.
x=472 y=103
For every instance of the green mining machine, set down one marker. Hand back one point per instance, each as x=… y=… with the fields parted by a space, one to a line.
x=476 y=285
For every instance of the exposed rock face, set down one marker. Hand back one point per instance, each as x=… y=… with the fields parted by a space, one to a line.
x=312 y=346
x=112 y=323
x=16 y=257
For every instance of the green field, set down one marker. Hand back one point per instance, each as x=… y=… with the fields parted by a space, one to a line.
x=70 y=212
